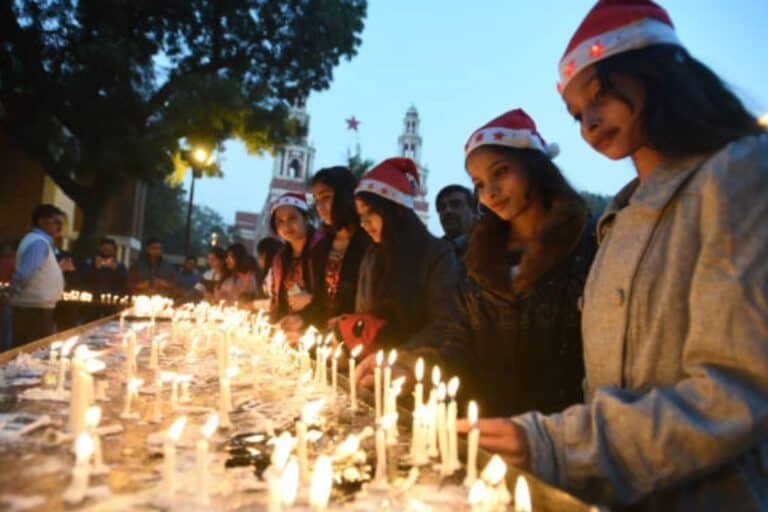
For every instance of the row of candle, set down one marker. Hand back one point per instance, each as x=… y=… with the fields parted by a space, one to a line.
x=103 y=298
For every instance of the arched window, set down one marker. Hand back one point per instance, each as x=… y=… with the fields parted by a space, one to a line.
x=295 y=168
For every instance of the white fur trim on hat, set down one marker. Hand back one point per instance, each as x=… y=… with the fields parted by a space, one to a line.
x=386 y=191
x=520 y=139
x=636 y=35
x=289 y=201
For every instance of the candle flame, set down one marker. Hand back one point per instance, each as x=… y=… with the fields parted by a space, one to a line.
x=494 y=471
x=68 y=344
x=310 y=411
x=435 y=375
x=356 y=351
x=289 y=483
x=210 y=426
x=94 y=365
x=453 y=386
x=348 y=447
x=83 y=447
x=337 y=352
x=392 y=357
x=477 y=493
x=282 y=450
x=174 y=433
x=307 y=340
x=134 y=384
x=379 y=357
x=93 y=416
x=472 y=412
x=328 y=338
x=322 y=480
x=420 y=369
x=56 y=345
x=522 y=495
x=387 y=421
x=231 y=372
x=441 y=391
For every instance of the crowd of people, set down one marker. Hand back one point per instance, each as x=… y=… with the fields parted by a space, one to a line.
x=624 y=359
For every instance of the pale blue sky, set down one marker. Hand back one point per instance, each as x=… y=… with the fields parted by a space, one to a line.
x=463 y=63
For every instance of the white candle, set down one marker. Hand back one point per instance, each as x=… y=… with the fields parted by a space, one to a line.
x=82 y=470
x=289 y=484
x=53 y=352
x=174 y=392
x=202 y=459
x=157 y=405
x=377 y=383
x=130 y=390
x=442 y=431
x=380 y=476
x=122 y=322
x=153 y=354
x=352 y=384
x=322 y=480
x=418 y=390
x=453 y=437
x=335 y=371
x=274 y=490
x=92 y=419
x=225 y=397
x=432 y=437
x=473 y=440
x=391 y=408
x=391 y=358
x=169 y=456
x=78 y=391
x=478 y=494
x=494 y=473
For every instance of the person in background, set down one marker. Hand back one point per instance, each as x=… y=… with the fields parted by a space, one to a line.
x=188 y=277
x=7 y=265
x=293 y=278
x=211 y=278
x=407 y=276
x=103 y=273
x=675 y=313
x=266 y=250
x=456 y=207
x=238 y=281
x=38 y=281
x=336 y=258
x=151 y=274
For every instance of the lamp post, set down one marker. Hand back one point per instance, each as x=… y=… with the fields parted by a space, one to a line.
x=200 y=159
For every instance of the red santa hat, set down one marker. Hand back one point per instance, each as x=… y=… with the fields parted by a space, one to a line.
x=396 y=179
x=514 y=129
x=613 y=27
x=290 y=199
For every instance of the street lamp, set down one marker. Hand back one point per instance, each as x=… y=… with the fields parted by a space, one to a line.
x=201 y=159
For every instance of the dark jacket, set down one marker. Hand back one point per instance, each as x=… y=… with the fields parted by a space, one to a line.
x=279 y=298
x=319 y=311
x=420 y=321
x=516 y=339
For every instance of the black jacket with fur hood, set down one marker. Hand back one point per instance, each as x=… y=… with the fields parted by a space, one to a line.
x=516 y=341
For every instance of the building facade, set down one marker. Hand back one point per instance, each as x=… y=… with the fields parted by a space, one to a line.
x=409 y=146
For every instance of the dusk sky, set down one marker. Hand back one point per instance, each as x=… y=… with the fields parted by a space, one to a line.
x=461 y=64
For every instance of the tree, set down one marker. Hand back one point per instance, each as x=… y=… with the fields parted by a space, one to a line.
x=105 y=92
x=359 y=165
x=595 y=202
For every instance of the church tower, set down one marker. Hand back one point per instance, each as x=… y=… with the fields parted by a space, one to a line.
x=292 y=166
x=409 y=144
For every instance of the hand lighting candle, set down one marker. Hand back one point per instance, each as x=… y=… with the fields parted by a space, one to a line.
x=473 y=440
x=203 y=497
x=169 y=456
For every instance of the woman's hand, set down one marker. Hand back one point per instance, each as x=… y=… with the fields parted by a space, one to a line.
x=502 y=436
x=299 y=301
x=365 y=371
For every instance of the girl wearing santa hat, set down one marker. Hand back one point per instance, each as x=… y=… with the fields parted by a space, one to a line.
x=407 y=277
x=675 y=316
x=293 y=280
x=336 y=258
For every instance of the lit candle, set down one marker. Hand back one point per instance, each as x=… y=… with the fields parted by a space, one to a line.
x=442 y=430
x=289 y=484
x=92 y=419
x=335 y=371
x=453 y=437
x=418 y=390
x=473 y=440
x=202 y=459
x=522 y=496
x=308 y=414
x=157 y=405
x=377 y=383
x=130 y=354
x=391 y=408
x=391 y=358
x=78 y=390
x=82 y=470
x=53 y=352
x=64 y=363
x=169 y=456
x=432 y=438
x=352 y=384
x=322 y=480
x=494 y=473
x=130 y=390
x=478 y=495
x=122 y=322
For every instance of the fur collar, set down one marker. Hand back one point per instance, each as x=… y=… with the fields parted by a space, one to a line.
x=559 y=234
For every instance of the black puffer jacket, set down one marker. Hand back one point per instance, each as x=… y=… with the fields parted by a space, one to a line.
x=516 y=341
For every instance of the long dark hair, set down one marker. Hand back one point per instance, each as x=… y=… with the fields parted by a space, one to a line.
x=688 y=109
x=343 y=183
x=243 y=261
x=399 y=254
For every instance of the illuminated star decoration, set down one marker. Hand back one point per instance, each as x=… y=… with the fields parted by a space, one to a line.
x=352 y=123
